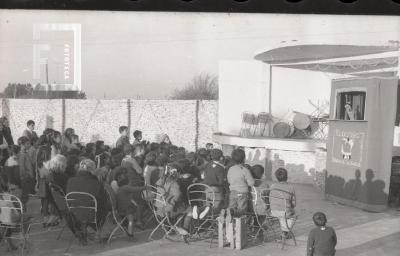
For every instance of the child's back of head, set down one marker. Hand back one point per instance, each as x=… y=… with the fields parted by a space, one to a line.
x=257 y=171
x=216 y=154
x=320 y=220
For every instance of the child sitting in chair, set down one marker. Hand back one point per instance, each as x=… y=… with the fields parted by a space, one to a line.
x=9 y=214
x=126 y=203
x=174 y=206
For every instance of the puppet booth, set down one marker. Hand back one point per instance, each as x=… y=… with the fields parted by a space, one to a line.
x=360 y=141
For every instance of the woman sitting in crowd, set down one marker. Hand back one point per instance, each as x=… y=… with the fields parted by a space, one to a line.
x=53 y=171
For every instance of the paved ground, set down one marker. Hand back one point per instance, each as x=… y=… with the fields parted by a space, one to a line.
x=359 y=233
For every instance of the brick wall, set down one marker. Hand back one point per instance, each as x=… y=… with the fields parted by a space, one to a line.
x=46 y=113
x=208 y=121
x=100 y=119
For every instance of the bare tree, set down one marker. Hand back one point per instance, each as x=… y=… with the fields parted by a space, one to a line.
x=202 y=87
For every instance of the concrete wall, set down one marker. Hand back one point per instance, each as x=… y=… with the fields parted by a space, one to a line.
x=301 y=165
x=243 y=86
x=299 y=86
x=188 y=123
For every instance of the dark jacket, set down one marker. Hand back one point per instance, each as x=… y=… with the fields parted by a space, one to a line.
x=214 y=175
x=88 y=183
x=122 y=141
x=5 y=134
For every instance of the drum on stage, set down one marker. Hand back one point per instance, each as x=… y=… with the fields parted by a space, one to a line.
x=283 y=130
x=301 y=121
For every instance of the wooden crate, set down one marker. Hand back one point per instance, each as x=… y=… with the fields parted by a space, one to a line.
x=233 y=234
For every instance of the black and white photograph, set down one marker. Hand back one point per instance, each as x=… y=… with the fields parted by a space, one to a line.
x=199 y=134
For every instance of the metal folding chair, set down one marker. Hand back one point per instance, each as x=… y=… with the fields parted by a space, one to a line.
x=117 y=219
x=248 y=124
x=12 y=206
x=282 y=201
x=255 y=224
x=263 y=120
x=203 y=195
x=157 y=204
x=82 y=202
x=59 y=199
x=147 y=211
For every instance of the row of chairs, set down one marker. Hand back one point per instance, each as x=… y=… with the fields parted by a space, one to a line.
x=202 y=195
x=73 y=202
x=198 y=194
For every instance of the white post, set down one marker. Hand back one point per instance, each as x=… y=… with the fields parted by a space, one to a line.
x=396 y=43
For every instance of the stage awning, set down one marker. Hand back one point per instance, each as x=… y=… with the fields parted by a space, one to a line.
x=316 y=52
x=382 y=66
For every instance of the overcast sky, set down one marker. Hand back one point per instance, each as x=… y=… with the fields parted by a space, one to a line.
x=125 y=54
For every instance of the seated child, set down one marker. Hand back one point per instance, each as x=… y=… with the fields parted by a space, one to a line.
x=11 y=216
x=215 y=177
x=260 y=186
x=126 y=202
x=151 y=171
x=129 y=160
x=322 y=239
x=168 y=187
x=279 y=191
x=11 y=168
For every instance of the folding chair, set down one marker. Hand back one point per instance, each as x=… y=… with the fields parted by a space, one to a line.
x=117 y=219
x=80 y=203
x=158 y=206
x=59 y=199
x=281 y=201
x=12 y=206
x=255 y=225
x=203 y=195
x=148 y=211
x=263 y=120
x=248 y=123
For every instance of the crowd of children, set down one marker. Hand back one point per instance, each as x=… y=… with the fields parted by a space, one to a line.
x=38 y=163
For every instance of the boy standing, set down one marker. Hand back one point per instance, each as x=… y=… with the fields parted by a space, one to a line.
x=123 y=139
x=322 y=239
x=26 y=169
x=239 y=179
x=138 y=137
x=29 y=132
